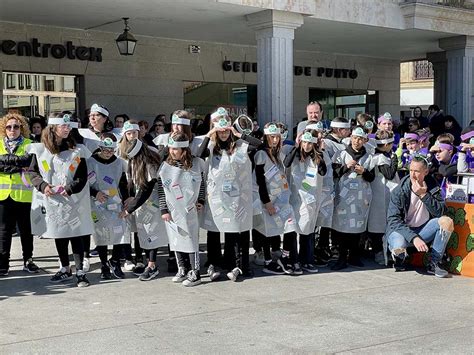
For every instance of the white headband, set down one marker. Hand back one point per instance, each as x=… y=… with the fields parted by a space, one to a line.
x=359 y=132
x=340 y=124
x=108 y=143
x=135 y=149
x=222 y=123
x=175 y=119
x=127 y=127
x=316 y=126
x=102 y=110
x=384 y=141
x=272 y=129
x=220 y=112
x=174 y=144
x=66 y=119
x=74 y=124
x=308 y=137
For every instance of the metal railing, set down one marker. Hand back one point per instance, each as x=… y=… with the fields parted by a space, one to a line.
x=423 y=70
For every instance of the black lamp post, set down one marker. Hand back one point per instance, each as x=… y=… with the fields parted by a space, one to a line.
x=126 y=42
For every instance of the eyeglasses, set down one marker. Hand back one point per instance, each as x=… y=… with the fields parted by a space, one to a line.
x=107 y=150
x=11 y=128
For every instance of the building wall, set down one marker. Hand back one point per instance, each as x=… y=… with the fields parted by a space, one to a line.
x=150 y=82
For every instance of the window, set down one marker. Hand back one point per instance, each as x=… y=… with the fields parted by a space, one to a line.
x=11 y=81
x=423 y=70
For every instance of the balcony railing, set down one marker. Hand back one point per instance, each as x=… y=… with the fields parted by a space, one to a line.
x=422 y=70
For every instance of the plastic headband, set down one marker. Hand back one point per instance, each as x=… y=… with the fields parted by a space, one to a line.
x=316 y=126
x=422 y=157
x=74 y=124
x=340 y=125
x=308 y=137
x=135 y=149
x=384 y=141
x=222 y=123
x=60 y=120
x=359 y=132
x=444 y=146
x=127 y=127
x=385 y=117
x=100 y=109
x=177 y=144
x=272 y=129
x=411 y=136
x=175 y=119
x=467 y=135
x=108 y=143
x=369 y=125
x=220 y=112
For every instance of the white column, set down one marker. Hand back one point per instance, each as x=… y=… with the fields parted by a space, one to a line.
x=275 y=34
x=440 y=68
x=460 y=77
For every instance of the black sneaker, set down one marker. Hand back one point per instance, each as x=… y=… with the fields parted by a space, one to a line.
x=180 y=276
x=82 y=280
x=3 y=272
x=435 y=269
x=149 y=274
x=105 y=273
x=61 y=276
x=399 y=262
x=355 y=261
x=138 y=269
x=30 y=266
x=172 y=266
x=320 y=262
x=273 y=268
x=213 y=273
x=234 y=274
x=116 y=269
x=193 y=279
x=339 y=265
x=310 y=268
x=284 y=263
x=248 y=273
x=297 y=270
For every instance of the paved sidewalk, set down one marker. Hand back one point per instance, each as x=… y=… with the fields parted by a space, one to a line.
x=371 y=310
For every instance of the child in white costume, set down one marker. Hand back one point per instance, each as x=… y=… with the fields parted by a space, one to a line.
x=61 y=201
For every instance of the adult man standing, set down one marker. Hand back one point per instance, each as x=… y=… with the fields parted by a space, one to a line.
x=415 y=217
x=314 y=113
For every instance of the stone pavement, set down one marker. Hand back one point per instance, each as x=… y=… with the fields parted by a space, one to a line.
x=370 y=310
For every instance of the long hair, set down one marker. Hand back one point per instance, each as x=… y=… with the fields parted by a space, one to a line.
x=124 y=144
x=144 y=161
x=315 y=154
x=219 y=145
x=186 y=156
x=186 y=128
x=50 y=140
x=24 y=128
x=273 y=153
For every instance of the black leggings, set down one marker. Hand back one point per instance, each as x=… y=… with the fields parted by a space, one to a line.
x=257 y=240
x=116 y=253
x=273 y=243
x=236 y=250
x=188 y=260
x=290 y=245
x=77 y=251
x=214 y=252
x=348 y=243
x=376 y=239
x=86 y=241
x=151 y=254
x=323 y=240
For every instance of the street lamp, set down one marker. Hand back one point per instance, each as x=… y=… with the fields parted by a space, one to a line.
x=126 y=42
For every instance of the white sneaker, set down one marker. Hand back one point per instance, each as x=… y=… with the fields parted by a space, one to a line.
x=129 y=265
x=86 y=265
x=379 y=258
x=258 y=258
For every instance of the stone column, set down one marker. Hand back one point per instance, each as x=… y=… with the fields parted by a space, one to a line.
x=440 y=68
x=460 y=77
x=275 y=34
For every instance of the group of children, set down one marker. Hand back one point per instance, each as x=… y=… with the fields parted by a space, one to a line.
x=114 y=187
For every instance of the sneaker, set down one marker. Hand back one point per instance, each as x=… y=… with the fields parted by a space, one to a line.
x=82 y=280
x=105 y=273
x=193 y=279
x=310 y=268
x=180 y=275
x=129 y=265
x=149 y=274
x=435 y=269
x=30 y=266
x=339 y=265
x=86 y=265
x=320 y=262
x=355 y=261
x=172 y=266
x=247 y=273
x=234 y=274
x=258 y=258
x=297 y=270
x=3 y=272
x=284 y=263
x=213 y=273
x=116 y=269
x=138 y=269
x=379 y=258
x=61 y=275
x=273 y=268
x=399 y=262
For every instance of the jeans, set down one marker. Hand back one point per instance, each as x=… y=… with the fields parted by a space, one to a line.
x=429 y=232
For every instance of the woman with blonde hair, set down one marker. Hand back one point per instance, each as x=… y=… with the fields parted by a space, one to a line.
x=15 y=191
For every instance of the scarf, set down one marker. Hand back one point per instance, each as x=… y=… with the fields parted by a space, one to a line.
x=12 y=144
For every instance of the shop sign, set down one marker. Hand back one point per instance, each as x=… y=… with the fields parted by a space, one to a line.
x=44 y=50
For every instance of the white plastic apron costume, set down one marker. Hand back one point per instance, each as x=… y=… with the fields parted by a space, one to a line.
x=283 y=221
x=182 y=191
x=229 y=201
x=150 y=226
x=353 y=196
x=60 y=216
x=306 y=186
x=109 y=229
x=381 y=189
x=332 y=147
x=327 y=196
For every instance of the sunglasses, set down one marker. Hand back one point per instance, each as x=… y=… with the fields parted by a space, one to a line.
x=14 y=127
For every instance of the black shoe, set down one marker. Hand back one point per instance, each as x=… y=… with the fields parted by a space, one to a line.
x=213 y=273
x=248 y=273
x=434 y=268
x=82 y=281
x=193 y=279
x=355 y=261
x=149 y=274
x=138 y=269
x=30 y=266
x=284 y=262
x=297 y=270
x=310 y=268
x=3 y=272
x=180 y=276
x=399 y=262
x=273 y=268
x=116 y=269
x=105 y=273
x=61 y=276
x=172 y=266
x=320 y=262
x=339 y=265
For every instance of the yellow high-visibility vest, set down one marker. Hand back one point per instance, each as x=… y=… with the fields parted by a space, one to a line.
x=12 y=184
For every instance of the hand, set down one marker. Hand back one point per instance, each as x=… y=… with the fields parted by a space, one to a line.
x=63 y=192
x=127 y=202
x=322 y=144
x=199 y=207
x=419 y=189
x=101 y=197
x=235 y=132
x=270 y=209
x=124 y=214
x=298 y=138
x=48 y=191
x=359 y=169
x=419 y=244
x=351 y=164
x=466 y=147
x=166 y=217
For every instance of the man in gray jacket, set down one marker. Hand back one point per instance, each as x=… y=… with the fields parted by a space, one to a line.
x=415 y=217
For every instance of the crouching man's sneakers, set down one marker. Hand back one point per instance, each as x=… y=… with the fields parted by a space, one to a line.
x=399 y=256
x=435 y=269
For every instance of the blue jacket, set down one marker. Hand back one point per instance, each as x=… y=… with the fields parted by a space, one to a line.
x=400 y=203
